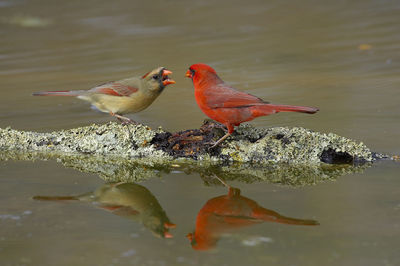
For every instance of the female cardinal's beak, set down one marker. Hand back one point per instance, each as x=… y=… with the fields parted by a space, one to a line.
x=168 y=235
x=166 y=79
x=166 y=72
x=189 y=74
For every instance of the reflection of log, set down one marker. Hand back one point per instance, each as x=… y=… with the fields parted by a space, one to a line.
x=116 y=169
x=248 y=144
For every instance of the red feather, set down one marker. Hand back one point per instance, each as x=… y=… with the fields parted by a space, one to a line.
x=145 y=75
x=225 y=96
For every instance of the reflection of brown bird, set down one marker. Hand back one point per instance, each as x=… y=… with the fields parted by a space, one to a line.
x=124 y=96
x=128 y=200
x=229 y=212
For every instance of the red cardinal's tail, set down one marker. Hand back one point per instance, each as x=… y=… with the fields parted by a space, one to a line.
x=267 y=109
x=57 y=93
x=292 y=108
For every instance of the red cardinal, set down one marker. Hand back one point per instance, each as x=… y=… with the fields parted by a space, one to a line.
x=224 y=104
x=124 y=96
x=230 y=212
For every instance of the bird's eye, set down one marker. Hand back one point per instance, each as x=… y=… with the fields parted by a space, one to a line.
x=192 y=71
x=155 y=77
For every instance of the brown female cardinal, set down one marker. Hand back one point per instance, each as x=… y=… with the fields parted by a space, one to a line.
x=124 y=96
x=224 y=104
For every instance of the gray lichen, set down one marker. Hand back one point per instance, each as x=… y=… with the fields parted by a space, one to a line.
x=111 y=139
x=247 y=145
x=294 y=145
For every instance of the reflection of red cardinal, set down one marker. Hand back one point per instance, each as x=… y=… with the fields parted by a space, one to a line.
x=229 y=212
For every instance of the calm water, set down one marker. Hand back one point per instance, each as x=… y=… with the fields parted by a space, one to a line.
x=341 y=56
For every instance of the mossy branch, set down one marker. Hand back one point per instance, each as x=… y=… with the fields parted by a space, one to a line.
x=247 y=145
x=282 y=155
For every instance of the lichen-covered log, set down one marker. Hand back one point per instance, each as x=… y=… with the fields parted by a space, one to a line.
x=247 y=144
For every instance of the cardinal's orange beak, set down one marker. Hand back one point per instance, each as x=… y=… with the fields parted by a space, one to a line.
x=168 y=235
x=189 y=74
x=169 y=225
x=166 y=79
x=190 y=237
x=166 y=72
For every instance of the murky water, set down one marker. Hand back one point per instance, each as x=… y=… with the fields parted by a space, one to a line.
x=341 y=56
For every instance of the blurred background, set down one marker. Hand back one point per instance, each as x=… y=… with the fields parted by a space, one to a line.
x=341 y=56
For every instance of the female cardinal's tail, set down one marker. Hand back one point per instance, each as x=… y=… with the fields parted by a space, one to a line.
x=57 y=93
x=55 y=198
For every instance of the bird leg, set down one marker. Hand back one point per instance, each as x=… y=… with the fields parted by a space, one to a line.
x=123 y=119
x=221 y=180
x=113 y=185
x=221 y=140
x=232 y=191
x=230 y=131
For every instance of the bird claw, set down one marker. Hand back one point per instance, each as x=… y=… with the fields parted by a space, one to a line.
x=209 y=143
x=124 y=120
x=219 y=141
x=128 y=122
x=213 y=145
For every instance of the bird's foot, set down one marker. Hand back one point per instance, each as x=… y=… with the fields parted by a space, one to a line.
x=124 y=120
x=113 y=185
x=128 y=122
x=215 y=144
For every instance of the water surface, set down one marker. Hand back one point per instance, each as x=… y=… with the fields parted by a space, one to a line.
x=340 y=56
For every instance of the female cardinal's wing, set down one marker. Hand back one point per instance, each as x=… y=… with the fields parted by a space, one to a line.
x=114 y=88
x=224 y=96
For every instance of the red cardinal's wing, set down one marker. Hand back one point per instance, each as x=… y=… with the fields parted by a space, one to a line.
x=224 y=96
x=115 y=89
